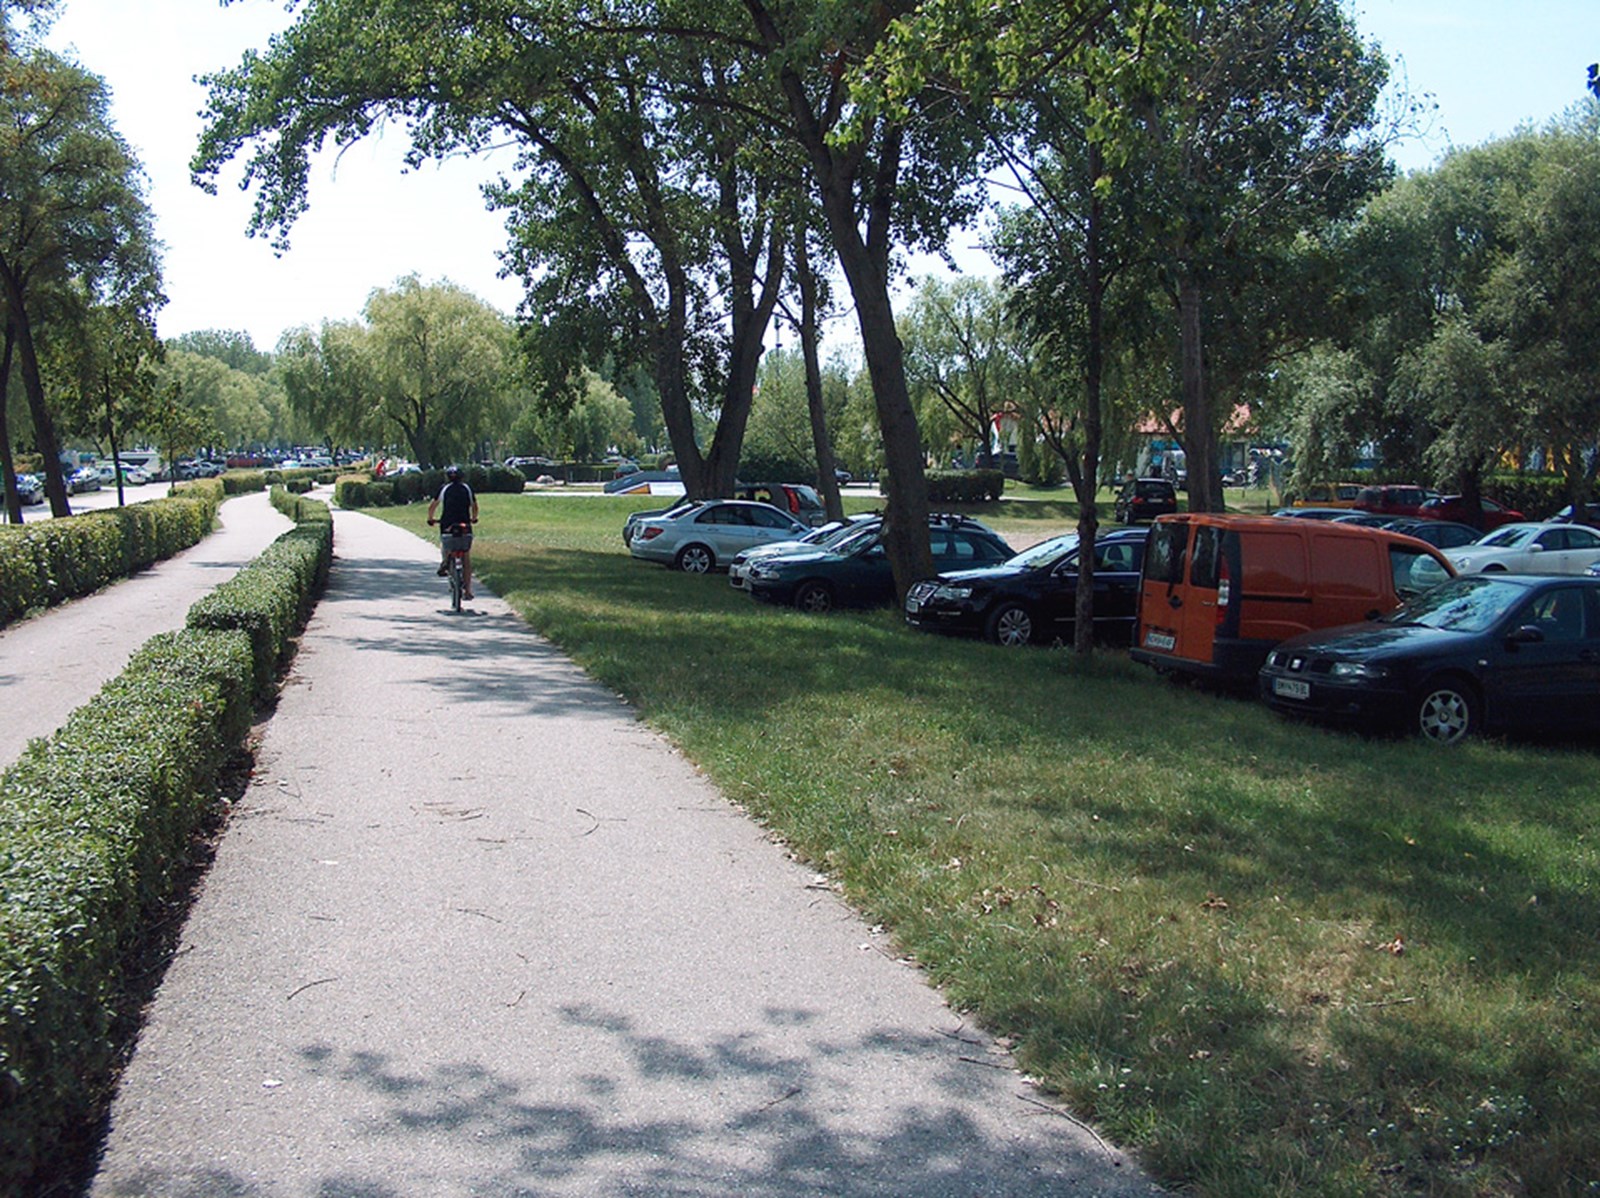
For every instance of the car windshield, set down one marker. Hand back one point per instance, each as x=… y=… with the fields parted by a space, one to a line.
x=1461 y=605
x=1046 y=554
x=847 y=532
x=855 y=540
x=1510 y=535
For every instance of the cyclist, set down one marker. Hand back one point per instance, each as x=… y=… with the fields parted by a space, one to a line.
x=455 y=525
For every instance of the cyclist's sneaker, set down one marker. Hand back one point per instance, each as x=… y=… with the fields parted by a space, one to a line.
x=443 y=570
x=468 y=595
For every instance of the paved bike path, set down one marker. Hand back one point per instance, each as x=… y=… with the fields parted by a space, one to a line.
x=474 y=929
x=54 y=663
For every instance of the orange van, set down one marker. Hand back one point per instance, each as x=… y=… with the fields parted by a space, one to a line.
x=1218 y=592
x=1329 y=495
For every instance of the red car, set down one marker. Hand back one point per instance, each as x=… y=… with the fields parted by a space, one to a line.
x=1392 y=500
x=1454 y=507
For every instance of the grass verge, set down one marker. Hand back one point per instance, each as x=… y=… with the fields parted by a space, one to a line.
x=1271 y=958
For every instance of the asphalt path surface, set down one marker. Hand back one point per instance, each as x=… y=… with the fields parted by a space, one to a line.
x=474 y=929
x=55 y=662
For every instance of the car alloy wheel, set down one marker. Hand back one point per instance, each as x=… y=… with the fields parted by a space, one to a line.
x=1011 y=625
x=695 y=559
x=813 y=597
x=1447 y=713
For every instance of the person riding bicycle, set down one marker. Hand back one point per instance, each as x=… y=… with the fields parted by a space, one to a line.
x=455 y=525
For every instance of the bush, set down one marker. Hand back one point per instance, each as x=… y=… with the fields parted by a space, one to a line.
x=270 y=598
x=247 y=482
x=965 y=486
x=1536 y=496
x=357 y=491
x=93 y=823
x=48 y=562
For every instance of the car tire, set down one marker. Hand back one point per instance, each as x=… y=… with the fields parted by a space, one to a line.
x=1447 y=711
x=695 y=559
x=814 y=597
x=1010 y=625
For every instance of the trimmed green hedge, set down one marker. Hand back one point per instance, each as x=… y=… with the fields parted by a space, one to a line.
x=362 y=490
x=50 y=561
x=95 y=821
x=270 y=598
x=965 y=486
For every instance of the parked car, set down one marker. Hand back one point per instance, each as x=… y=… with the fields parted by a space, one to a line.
x=1441 y=534
x=799 y=500
x=707 y=534
x=30 y=489
x=857 y=572
x=1219 y=591
x=1392 y=500
x=1313 y=513
x=1549 y=548
x=1340 y=495
x=1454 y=507
x=84 y=478
x=1144 y=499
x=1032 y=598
x=1472 y=654
x=828 y=535
x=1589 y=514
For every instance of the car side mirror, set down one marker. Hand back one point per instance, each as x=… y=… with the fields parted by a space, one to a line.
x=1536 y=548
x=1525 y=635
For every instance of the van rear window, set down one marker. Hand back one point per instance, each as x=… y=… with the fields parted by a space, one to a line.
x=1206 y=570
x=1164 y=552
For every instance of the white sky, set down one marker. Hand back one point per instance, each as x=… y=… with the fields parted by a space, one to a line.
x=1490 y=65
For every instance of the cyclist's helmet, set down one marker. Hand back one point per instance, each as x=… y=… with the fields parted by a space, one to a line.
x=453 y=473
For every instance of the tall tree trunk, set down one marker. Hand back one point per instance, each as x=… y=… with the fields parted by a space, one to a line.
x=44 y=427
x=1199 y=439
x=1086 y=480
x=112 y=439
x=821 y=442
x=8 y=467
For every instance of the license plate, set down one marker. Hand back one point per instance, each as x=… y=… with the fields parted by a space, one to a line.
x=1291 y=688
x=1160 y=640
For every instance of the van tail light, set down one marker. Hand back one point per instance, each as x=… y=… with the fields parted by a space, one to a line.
x=1224 y=592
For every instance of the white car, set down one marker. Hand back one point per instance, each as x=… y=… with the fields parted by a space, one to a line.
x=825 y=537
x=1530 y=549
x=705 y=535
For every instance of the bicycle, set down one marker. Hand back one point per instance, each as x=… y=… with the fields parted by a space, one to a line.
x=454 y=563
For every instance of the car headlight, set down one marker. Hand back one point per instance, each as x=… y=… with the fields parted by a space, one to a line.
x=1356 y=670
x=952 y=590
x=761 y=570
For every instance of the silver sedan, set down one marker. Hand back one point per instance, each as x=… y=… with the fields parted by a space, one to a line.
x=704 y=536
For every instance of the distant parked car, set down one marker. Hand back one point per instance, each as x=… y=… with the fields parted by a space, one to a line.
x=1454 y=507
x=1588 y=514
x=707 y=534
x=84 y=478
x=1549 y=548
x=1312 y=513
x=1441 y=534
x=1032 y=598
x=1392 y=500
x=857 y=573
x=828 y=536
x=1329 y=495
x=1471 y=654
x=30 y=489
x=1144 y=499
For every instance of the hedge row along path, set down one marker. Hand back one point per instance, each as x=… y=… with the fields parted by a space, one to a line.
x=55 y=662
x=473 y=929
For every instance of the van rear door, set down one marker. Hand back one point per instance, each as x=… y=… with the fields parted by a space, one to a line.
x=1166 y=558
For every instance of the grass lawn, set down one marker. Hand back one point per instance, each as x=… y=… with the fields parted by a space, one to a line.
x=1273 y=959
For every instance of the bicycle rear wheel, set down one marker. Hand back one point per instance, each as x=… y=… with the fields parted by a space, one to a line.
x=456 y=585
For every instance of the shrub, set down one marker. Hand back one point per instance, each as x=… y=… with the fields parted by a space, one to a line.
x=93 y=823
x=246 y=482
x=965 y=486
x=357 y=491
x=50 y=561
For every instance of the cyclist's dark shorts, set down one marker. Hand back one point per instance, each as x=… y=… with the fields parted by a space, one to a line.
x=450 y=543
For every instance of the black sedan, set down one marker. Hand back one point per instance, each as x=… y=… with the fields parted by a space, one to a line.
x=856 y=572
x=1479 y=652
x=1033 y=597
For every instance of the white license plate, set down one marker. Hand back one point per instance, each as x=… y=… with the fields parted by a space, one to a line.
x=1160 y=640
x=1291 y=688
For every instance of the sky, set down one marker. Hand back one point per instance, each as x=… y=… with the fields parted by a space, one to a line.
x=1487 y=66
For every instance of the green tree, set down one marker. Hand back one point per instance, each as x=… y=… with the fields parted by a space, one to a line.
x=73 y=209
x=328 y=379
x=439 y=363
x=960 y=346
